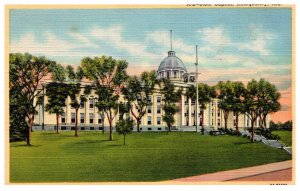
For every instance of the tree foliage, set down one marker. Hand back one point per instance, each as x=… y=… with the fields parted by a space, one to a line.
x=170 y=97
x=137 y=92
x=261 y=98
x=206 y=94
x=108 y=75
x=57 y=95
x=124 y=127
x=25 y=75
x=74 y=91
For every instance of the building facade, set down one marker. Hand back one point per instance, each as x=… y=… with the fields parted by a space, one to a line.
x=89 y=118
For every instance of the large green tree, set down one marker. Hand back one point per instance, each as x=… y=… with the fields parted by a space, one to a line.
x=18 y=127
x=56 y=92
x=137 y=91
x=26 y=73
x=268 y=100
x=206 y=94
x=170 y=97
x=108 y=103
x=226 y=97
x=108 y=75
x=238 y=101
x=261 y=98
x=57 y=95
x=251 y=104
x=75 y=91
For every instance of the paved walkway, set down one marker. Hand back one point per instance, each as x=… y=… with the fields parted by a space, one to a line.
x=280 y=171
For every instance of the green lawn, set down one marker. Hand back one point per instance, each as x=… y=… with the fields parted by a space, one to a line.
x=146 y=157
x=286 y=136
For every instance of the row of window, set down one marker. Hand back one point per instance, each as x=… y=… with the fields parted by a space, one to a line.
x=82 y=118
x=91 y=118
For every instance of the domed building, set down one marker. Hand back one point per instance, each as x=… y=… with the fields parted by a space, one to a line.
x=171 y=67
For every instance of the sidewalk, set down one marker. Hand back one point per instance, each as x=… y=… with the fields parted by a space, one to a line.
x=280 y=171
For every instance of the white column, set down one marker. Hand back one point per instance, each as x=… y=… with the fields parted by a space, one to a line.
x=190 y=112
x=182 y=111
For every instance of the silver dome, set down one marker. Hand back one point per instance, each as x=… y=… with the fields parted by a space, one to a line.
x=172 y=62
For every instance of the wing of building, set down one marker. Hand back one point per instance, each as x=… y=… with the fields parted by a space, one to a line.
x=171 y=68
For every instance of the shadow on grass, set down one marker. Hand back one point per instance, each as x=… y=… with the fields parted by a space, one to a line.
x=88 y=142
x=243 y=143
x=26 y=146
x=119 y=145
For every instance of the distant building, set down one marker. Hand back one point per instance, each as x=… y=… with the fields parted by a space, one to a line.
x=171 y=68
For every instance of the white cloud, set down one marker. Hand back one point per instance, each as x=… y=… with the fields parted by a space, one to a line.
x=113 y=36
x=259 y=40
x=216 y=39
x=162 y=38
x=50 y=46
x=85 y=41
x=214 y=36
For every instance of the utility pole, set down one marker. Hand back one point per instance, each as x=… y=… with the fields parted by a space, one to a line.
x=196 y=103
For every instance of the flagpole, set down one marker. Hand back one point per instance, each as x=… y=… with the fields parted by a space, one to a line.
x=196 y=109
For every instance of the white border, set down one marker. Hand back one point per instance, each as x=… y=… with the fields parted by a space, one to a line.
x=132 y=187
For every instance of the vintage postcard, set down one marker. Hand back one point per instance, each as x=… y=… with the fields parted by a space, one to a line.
x=150 y=94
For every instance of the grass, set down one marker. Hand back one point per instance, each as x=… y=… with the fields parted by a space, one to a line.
x=146 y=157
x=286 y=136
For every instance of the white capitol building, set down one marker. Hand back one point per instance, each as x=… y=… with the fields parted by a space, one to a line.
x=171 y=68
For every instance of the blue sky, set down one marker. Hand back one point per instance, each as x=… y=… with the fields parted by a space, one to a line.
x=234 y=43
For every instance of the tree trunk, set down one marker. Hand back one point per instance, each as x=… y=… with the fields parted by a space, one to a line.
x=169 y=128
x=103 y=126
x=252 y=131
x=265 y=121
x=57 y=123
x=29 y=132
x=237 y=122
x=225 y=119
x=138 y=125
x=124 y=139
x=202 y=121
x=76 y=122
x=110 y=130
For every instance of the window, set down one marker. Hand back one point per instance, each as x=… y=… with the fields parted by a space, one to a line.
x=212 y=103
x=82 y=128
x=218 y=112
x=175 y=74
x=72 y=117
x=158 y=99
x=149 y=109
x=91 y=118
x=81 y=117
x=149 y=120
x=72 y=128
x=63 y=117
x=168 y=75
x=158 y=109
x=63 y=128
x=212 y=112
x=158 y=120
x=91 y=102
x=81 y=103
x=159 y=129
x=92 y=128
x=138 y=98
x=149 y=99
x=212 y=122
x=149 y=129
x=99 y=118
x=219 y=122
